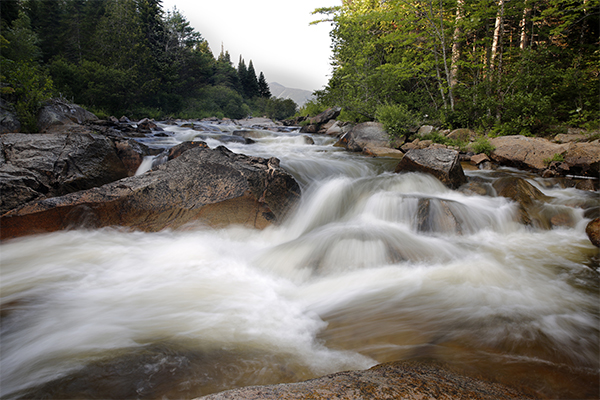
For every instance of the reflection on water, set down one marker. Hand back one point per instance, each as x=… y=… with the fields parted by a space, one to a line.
x=371 y=267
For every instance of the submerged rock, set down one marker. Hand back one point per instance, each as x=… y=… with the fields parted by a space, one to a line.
x=212 y=187
x=396 y=380
x=444 y=164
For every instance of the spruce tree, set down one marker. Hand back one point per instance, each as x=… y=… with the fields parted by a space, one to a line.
x=251 y=88
x=263 y=86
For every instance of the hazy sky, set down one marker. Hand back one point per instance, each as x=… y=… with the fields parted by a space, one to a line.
x=274 y=34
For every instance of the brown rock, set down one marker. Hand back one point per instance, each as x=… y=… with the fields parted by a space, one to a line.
x=397 y=380
x=584 y=159
x=444 y=164
x=593 y=231
x=525 y=152
x=326 y=116
x=382 y=152
x=527 y=196
x=463 y=135
x=479 y=158
x=213 y=187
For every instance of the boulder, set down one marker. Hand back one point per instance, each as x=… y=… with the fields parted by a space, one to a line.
x=593 y=231
x=444 y=164
x=375 y=151
x=326 y=116
x=425 y=130
x=528 y=198
x=55 y=114
x=479 y=158
x=38 y=165
x=584 y=159
x=212 y=187
x=396 y=380
x=463 y=135
x=9 y=122
x=525 y=152
x=146 y=124
x=367 y=134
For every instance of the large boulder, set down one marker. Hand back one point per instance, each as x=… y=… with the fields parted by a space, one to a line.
x=528 y=197
x=397 y=380
x=367 y=134
x=36 y=165
x=326 y=116
x=212 y=187
x=593 y=231
x=444 y=164
x=55 y=114
x=525 y=152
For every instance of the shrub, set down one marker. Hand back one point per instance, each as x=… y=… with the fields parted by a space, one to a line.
x=397 y=120
x=482 y=145
x=556 y=157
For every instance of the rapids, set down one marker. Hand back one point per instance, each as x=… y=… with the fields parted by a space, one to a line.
x=351 y=279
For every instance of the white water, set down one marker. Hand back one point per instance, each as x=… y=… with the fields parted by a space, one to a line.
x=346 y=282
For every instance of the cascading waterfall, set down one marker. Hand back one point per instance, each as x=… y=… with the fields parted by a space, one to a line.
x=370 y=267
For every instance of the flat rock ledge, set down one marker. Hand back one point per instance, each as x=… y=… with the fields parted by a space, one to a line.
x=397 y=380
x=211 y=187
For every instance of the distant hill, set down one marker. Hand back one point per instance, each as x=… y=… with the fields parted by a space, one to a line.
x=298 y=95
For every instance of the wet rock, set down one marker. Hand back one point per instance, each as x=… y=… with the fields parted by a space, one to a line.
x=37 y=165
x=367 y=134
x=444 y=164
x=212 y=187
x=527 y=196
x=253 y=133
x=132 y=154
x=479 y=158
x=593 y=231
x=397 y=380
x=435 y=215
x=56 y=114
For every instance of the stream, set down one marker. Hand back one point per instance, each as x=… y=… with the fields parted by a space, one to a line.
x=350 y=279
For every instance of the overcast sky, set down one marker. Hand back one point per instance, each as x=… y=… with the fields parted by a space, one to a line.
x=274 y=34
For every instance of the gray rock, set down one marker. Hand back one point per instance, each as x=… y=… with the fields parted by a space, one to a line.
x=367 y=134
x=212 y=187
x=9 y=122
x=444 y=164
x=38 y=165
x=56 y=114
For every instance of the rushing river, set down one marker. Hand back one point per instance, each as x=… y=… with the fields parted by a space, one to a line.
x=349 y=280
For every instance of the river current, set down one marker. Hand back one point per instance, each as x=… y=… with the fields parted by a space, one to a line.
x=350 y=279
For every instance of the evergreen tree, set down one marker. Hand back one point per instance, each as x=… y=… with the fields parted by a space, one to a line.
x=242 y=72
x=263 y=86
x=251 y=88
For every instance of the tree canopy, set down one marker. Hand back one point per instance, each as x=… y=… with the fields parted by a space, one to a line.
x=509 y=67
x=119 y=57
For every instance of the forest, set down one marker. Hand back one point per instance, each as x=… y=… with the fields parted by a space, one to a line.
x=122 y=57
x=503 y=67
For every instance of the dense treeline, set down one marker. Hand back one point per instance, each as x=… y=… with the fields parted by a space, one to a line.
x=505 y=67
x=122 y=57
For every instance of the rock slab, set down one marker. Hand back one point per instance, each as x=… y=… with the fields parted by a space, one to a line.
x=212 y=187
x=398 y=380
x=444 y=164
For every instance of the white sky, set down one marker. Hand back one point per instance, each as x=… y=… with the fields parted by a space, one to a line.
x=274 y=34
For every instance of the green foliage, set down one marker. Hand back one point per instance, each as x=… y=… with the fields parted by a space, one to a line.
x=397 y=119
x=275 y=108
x=311 y=108
x=557 y=157
x=423 y=55
x=482 y=145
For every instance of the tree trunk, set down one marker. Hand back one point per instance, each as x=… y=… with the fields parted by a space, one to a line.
x=496 y=43
x=456 y=44
x=524 y=39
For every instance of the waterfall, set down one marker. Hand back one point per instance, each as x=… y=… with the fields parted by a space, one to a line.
x=370 y=267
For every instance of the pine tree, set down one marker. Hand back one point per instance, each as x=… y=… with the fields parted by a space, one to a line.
x=263 y=86
x=251 y=89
